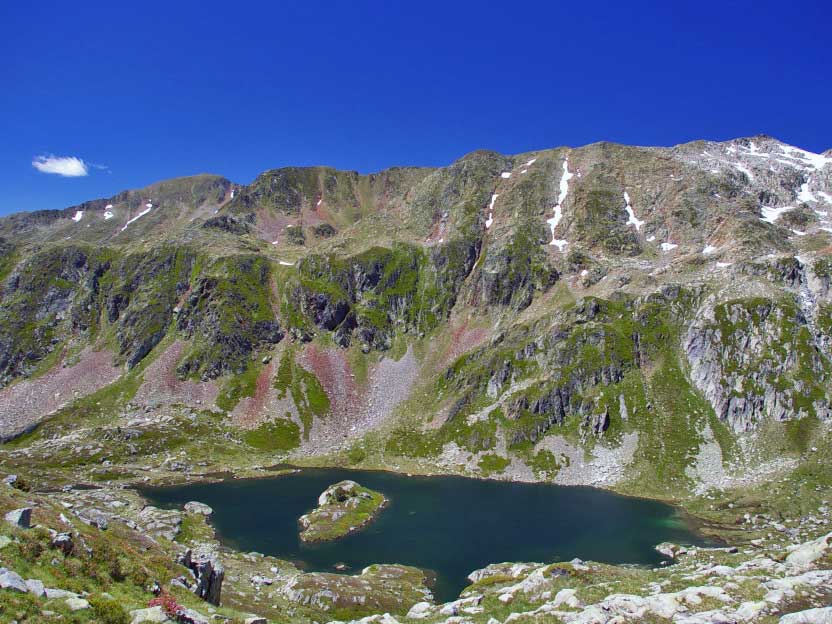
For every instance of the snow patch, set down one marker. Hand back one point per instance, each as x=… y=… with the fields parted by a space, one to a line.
x=531 y=162
x=651 y=238
x=771 y=215
x=79 y=214
x=805 y=195
x=319 y=201
x=799 y=232
x=709 y=249
x=147 y=209
x=505 y=175
x=490 y=218
x=232 y=193
x=284 y=263
x=722 y=265
x=668 y=246
x=632 y=220
x=108 y=215
x=553 y=222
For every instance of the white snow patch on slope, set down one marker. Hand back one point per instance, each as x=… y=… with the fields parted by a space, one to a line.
x=805 y=195
x=709 y=249
x=799 y=232
x=319 y=201
x=232 y=193
x=553 y=222
x=669 y=246
x=722 y=265
x=138 y=216
x=771 y=215
x=815 y=161
x=744 y=170
x=284 y=263
x=826 y=197
x=651 y=238
x=531 y=162
x=632 y=220
x=108 y=215
x=490 y=218
x=79 y=214
x=505 y=175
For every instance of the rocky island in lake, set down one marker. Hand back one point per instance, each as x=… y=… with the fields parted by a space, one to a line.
x=343 y=508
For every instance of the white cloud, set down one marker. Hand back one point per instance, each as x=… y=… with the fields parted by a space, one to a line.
x=66 y=166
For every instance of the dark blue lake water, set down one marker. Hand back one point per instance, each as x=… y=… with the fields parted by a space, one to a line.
x=451 y=525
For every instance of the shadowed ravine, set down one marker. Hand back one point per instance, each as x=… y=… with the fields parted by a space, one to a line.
x=450 y=525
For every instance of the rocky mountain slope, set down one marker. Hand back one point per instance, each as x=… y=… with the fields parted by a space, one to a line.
x=606 y=314
x=653 y=320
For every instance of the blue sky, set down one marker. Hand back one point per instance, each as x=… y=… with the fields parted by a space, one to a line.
x=153 y=90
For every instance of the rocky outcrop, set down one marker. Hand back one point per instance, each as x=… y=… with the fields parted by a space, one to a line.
x=755 y=359
x=207 y=571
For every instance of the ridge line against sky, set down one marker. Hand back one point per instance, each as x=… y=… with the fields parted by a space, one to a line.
x=108 y=98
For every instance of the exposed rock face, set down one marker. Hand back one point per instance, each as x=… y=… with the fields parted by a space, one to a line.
x=755 y=359
x=208 y=572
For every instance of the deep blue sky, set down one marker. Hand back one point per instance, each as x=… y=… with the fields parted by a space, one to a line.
x=153 y=90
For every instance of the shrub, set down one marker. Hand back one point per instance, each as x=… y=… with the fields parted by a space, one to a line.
x=108 y=611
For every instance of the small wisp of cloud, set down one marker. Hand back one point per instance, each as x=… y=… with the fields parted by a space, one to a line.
x=66 y=166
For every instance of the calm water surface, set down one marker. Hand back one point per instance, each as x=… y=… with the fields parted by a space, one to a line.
x=451 y=525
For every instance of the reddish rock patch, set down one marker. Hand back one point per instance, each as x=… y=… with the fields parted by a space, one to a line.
x=463 y=340
x=251 y=411
x=27 y=402
x=161 y=385
x=333 y=370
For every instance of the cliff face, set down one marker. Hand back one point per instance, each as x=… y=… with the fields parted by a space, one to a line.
x=587 y=315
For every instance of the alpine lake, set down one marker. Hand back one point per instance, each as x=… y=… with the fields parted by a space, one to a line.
x=448 y=525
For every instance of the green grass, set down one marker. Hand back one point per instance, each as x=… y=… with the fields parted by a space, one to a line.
x=281 y=434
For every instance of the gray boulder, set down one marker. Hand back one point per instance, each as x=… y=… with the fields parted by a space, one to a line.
x=64 y=543
x=77 y=604
x=12 y=581
x=152 y=615
x=195 y=507
x=36 y=587
x=20 y=517
x=256 y=620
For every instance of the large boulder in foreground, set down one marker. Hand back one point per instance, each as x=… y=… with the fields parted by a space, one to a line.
x=343 y=508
